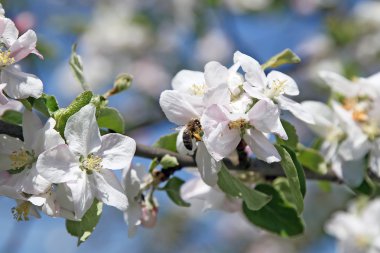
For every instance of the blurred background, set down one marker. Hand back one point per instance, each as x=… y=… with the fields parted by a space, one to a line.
x=154 y=39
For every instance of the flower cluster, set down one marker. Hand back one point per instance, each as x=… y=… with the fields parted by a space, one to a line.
x=13 y=82
x=349 y=126
x=64 y=177
x=221 y=107
x=357 y=229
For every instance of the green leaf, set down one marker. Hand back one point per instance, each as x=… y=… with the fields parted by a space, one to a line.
x=83 y=228
x=367 y=187
x=312 y=160
x=277 y=216
x=12 y=117
x=62 y=115
x=281 y=184
x=292 y=140
x=300 y=170
x=77 y=67
x=167 y=142
x=285 y=57
x=232 y=186
x=168 y=161
x=110 y=118
x=292 y=175
x=153 y=164
x=46 y=104
x=172 y=188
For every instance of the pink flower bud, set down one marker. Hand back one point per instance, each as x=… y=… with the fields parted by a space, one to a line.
x=149 y=216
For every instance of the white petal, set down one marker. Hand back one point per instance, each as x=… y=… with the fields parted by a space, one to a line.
x=8 y=31
x=185 y=79
x=82 y=131
x=261 y=146
x=323 y=117
x=265 y=116
x=254 y=73
x=11 y=105
x=255 y=92
x=19 y=84
x=24 y=45
x=374 y=158
x=340 y=84
x=176 y=108
x=353 y=172
x=31 y=128
x=33 y=182
x=9 y=144
x=116 y=151
x=217 y=95
x=132 y=217
x=51 y=137
x=109 y=190
x=132 y=183
x=296 y=109
x=215 y=74
x=354 y=147
x=208 y=167
x=82 y=193
x=220 y=140
x=58 y=164
x=291 y=87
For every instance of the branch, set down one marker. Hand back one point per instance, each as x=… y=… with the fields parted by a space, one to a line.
x=269 y=171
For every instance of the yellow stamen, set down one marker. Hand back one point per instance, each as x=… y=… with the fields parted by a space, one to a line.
x=6 y=59
x=198 y=89
x=91 y=164
x=276 y=88
x=21 y=159
x=238 y=124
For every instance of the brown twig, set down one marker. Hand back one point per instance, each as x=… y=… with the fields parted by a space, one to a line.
x=269 y=171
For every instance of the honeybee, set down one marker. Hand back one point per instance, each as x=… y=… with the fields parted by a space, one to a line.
x=192 y=131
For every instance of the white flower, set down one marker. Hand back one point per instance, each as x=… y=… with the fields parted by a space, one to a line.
x=55 y=202
x=348 y=88
x=274 y=86
x=210 y=197
x=224 y=130
x=19 y=158
x=133 y=179
x=19 y=85
x=358 y=230
x=345 y=145
x=85 y=164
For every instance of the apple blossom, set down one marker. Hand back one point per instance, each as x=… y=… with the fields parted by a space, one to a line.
x=19 y=158
x=358 y=229
x=133 y=181
x=85 y=163
x=19 y=85
x=273 y=86
x=224 y=130
x=210 y=197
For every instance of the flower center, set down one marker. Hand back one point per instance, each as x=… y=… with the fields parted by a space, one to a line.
x=21 y=159
x=5 y=58
x=91 y=163
x=363 y=241
x=371 y=129
x=335 y=134
x=238 y=124
x=198 y=89
x=21 y=211
x=276 y=88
